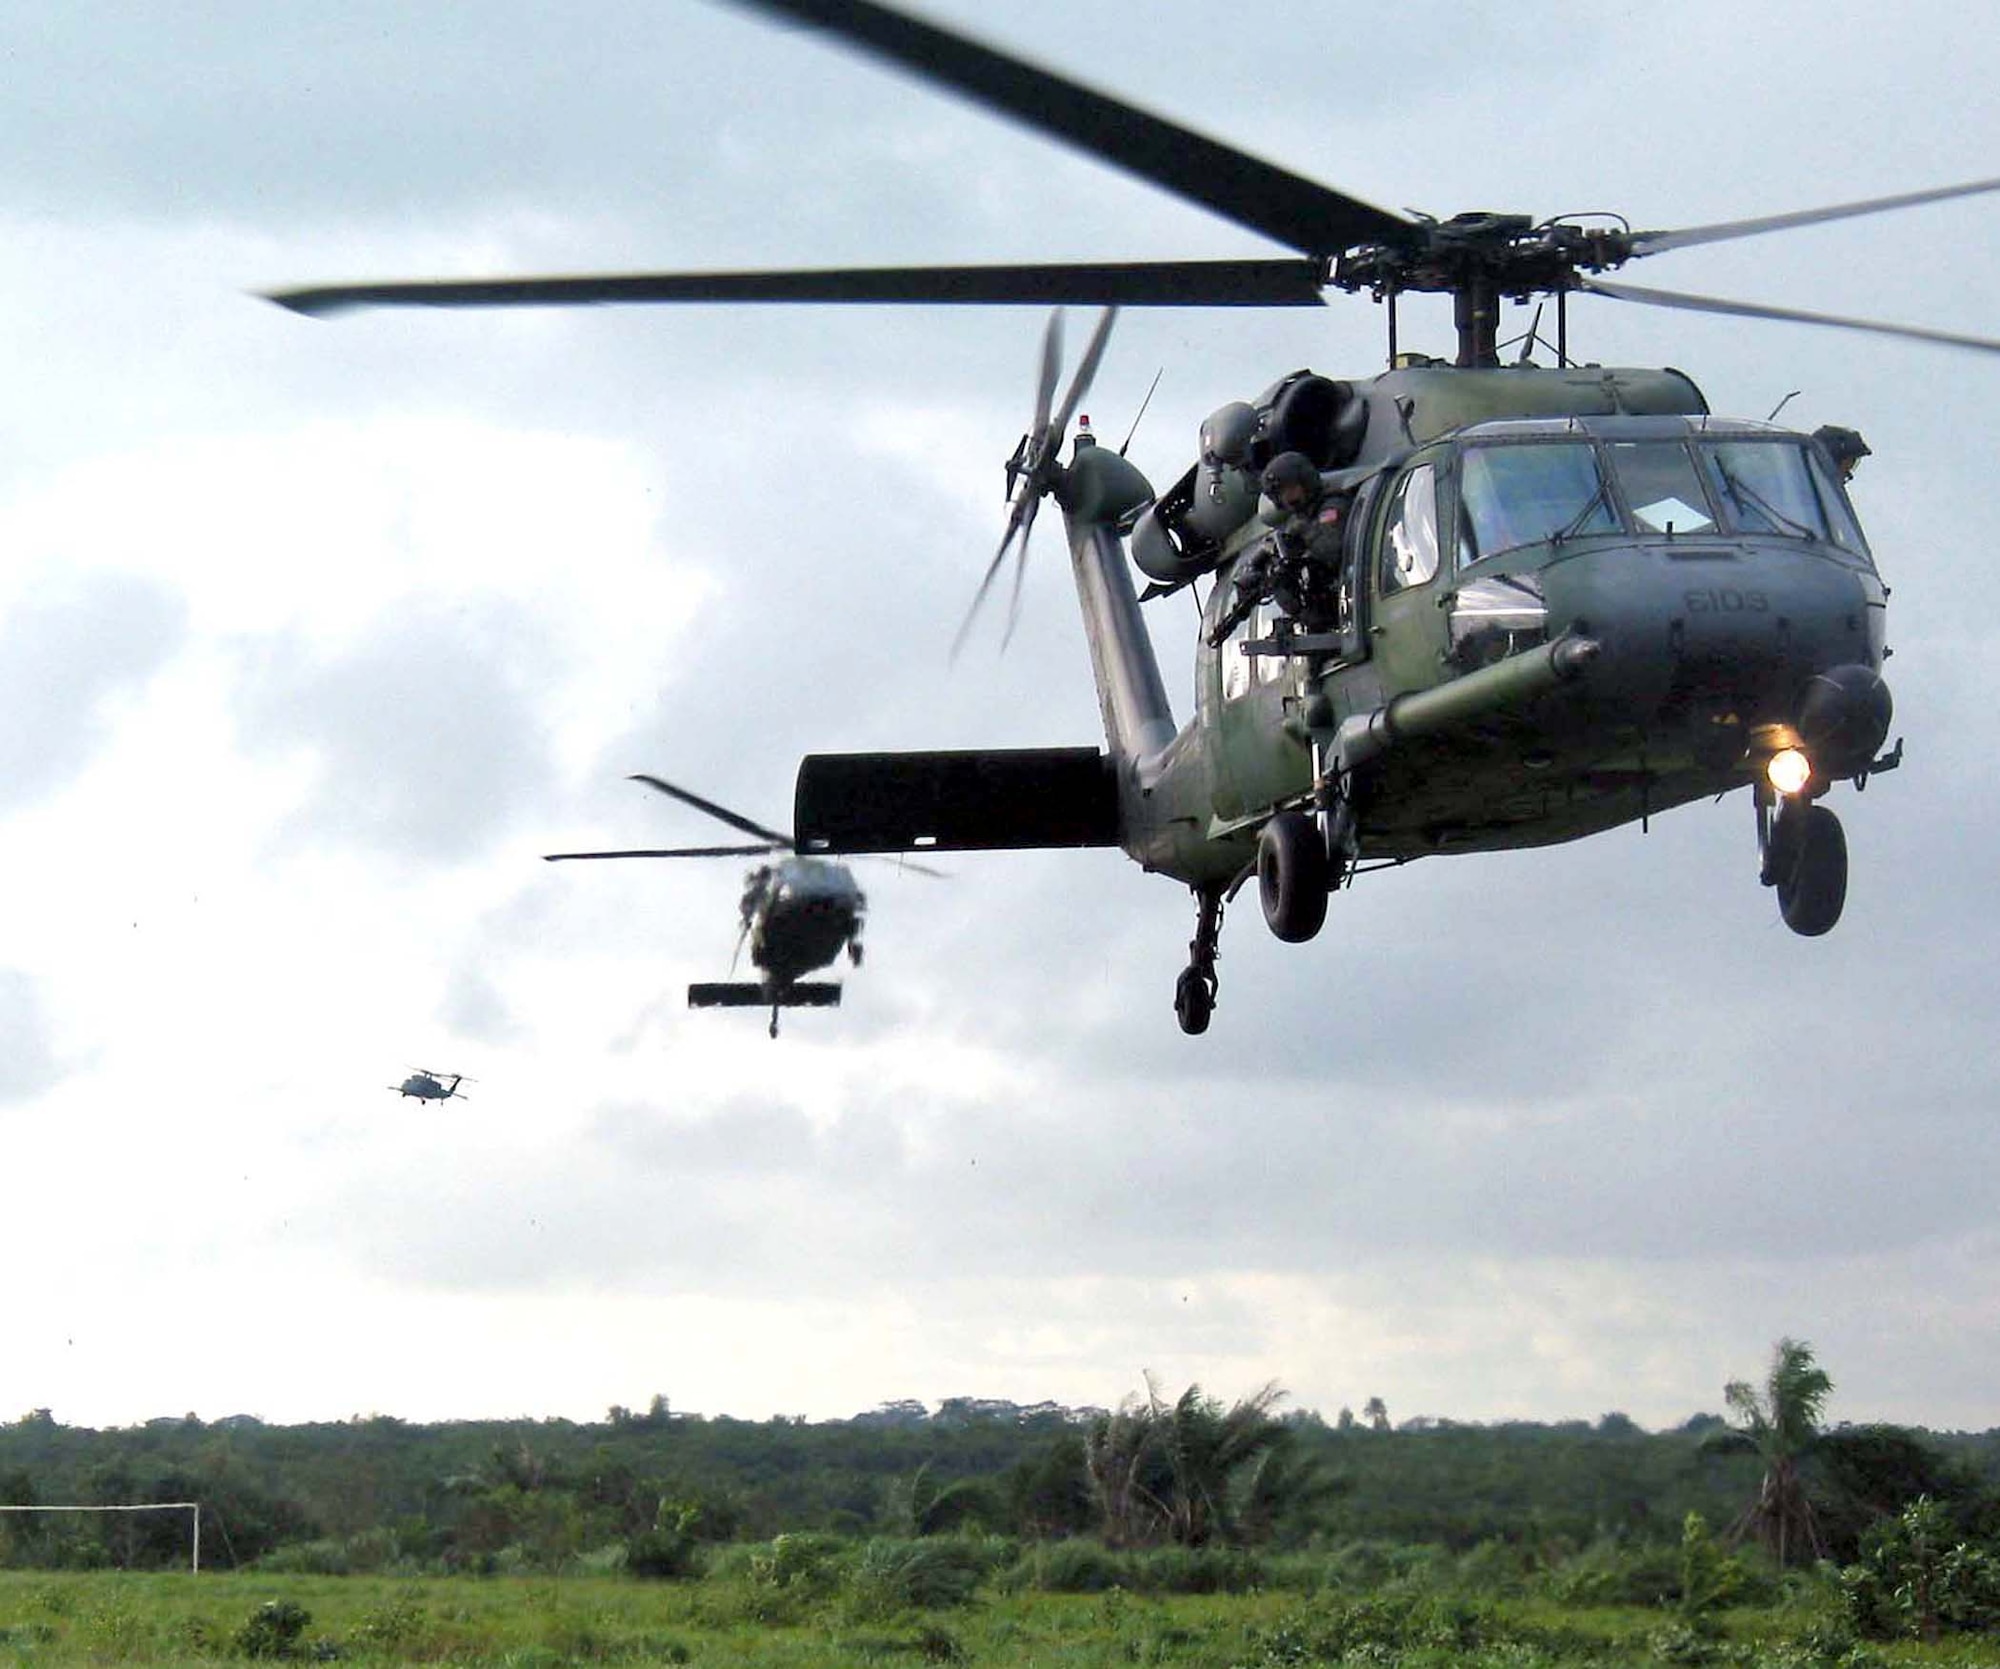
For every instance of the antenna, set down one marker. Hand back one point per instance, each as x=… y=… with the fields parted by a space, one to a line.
x=1143 y=404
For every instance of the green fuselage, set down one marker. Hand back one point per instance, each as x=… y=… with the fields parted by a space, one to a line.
x=1714 y=566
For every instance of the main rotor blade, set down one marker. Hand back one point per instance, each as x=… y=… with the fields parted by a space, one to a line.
x=734 y=819
x=1793 y=315
x=1297 y=212
x=1256 y=283
x=672 y=852
x=1653 y=243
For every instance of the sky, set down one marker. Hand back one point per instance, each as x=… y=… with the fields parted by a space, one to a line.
x=315 y=635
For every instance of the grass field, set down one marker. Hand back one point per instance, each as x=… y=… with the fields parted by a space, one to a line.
x=541 y=1622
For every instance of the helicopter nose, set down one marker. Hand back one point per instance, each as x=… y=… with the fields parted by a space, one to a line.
x=1772 y=633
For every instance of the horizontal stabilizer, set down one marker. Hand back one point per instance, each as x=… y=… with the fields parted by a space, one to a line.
x=804 y=994
x=973 y=801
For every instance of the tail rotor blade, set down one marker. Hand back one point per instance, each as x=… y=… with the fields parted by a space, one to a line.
x=1086 y=373
x=1036 y=465
x=1020 y=572
x=1045 y=391
x=1016 y=519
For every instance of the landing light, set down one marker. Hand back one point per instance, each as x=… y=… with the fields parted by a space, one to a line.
x=1789 y=770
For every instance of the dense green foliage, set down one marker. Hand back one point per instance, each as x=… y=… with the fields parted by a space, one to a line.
x=1230 y=1536
x=378 y=1494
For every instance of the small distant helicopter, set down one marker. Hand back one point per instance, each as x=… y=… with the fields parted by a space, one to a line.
x=798 y=914
x=426 y=1085
x=1566 y=597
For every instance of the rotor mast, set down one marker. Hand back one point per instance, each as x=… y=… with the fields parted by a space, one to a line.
x=1479 y=260
x=1476 y=313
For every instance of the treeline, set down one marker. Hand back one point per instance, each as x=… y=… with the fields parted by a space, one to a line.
x=379 y=1493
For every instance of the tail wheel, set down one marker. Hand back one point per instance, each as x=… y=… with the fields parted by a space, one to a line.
x=1293 y=876
x=1811 y=869
x=1194 y=1001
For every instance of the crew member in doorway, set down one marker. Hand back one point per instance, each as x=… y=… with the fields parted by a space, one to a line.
x=1299 y=566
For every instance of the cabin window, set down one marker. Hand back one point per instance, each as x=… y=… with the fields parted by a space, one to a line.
x=1495 y=616
x=1529 y=495
x=1661 y=486
x=1410 y=539
x=1240 y=671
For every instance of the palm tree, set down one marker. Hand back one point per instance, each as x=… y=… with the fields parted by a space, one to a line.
x=1207 y=1450
x=1119 y=1452
x=1190 y=1471
x=1779 y=1422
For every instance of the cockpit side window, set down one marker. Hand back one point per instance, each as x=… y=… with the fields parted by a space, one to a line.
x=1528 y=495
x=1846 y=531
x=1410 y=533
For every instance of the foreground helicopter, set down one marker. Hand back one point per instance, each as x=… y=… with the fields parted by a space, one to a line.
x=426 y=1085
x=1561 y=598
x=798 y=914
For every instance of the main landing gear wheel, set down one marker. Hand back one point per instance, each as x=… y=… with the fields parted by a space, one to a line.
x=1809 y=868
x=1293 y=875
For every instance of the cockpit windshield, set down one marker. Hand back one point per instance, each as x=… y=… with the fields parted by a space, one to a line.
x=1772 y=486
x=1548 y=492
x=1528 y=495
x=1661 y=487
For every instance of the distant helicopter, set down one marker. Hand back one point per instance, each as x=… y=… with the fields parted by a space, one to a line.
x=1563 y=597
x=426 y=1085
x=798 y=914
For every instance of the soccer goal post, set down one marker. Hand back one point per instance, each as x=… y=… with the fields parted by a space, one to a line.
x=194 y=1507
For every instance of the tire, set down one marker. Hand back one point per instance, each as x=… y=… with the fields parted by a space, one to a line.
x=1194 y=1001
x=1293 y=876
x=1812 y=887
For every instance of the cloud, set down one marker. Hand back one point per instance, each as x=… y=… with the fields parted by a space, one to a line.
x=1527 y=1128
x=69 y=652
x=474 y=1007
x=28 y=1062
x=426 y=735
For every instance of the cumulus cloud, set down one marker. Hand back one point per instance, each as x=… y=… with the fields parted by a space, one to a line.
x=28 y=1062
x=70 y=649
x=426 y=735
x=431 y=585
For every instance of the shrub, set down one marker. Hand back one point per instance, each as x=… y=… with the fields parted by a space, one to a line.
x=1067 y=1567
x=661 y=1554
x=1196 y=1570
x=273 y=1629
x=1918 y=1579
x=1383 y=1628
x=804 y=1563
x=1614 y=1573
x=929 y=1575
